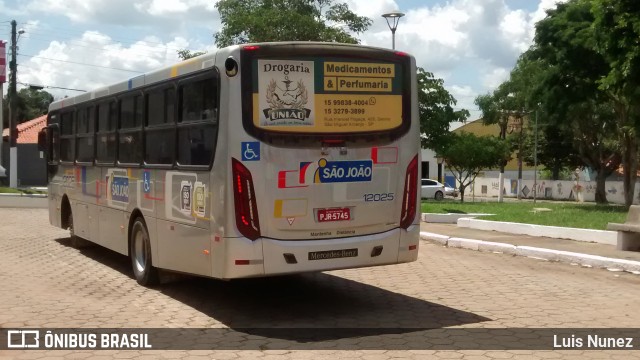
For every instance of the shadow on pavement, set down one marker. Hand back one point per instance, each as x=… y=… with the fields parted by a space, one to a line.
x=301 y=307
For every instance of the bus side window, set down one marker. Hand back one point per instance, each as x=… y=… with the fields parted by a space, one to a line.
x=106 y=135
x=67 y=136
x=130 y=133
x=54 y=138
x=198 y=122
x=85 y=140
x=199 y=100
x=160 y=132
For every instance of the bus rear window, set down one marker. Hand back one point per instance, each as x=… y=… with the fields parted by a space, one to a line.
x=343 y=94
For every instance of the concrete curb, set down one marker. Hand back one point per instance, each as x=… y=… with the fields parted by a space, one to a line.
x=534 y=252
x=450 y=218
x=586 y=235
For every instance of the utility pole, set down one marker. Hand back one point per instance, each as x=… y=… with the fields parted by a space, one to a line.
x=535 y=162
x=503 y=135
x=519 y=194
x=3 y=79
x=13 y=133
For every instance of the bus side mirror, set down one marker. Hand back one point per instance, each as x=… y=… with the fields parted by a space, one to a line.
x=42 y=140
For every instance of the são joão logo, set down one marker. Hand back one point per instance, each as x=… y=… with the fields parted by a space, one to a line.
x=120 y=189
x=341 y=171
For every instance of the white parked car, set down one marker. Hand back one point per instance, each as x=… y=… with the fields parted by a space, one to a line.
x=451 y=191
x=432 y=189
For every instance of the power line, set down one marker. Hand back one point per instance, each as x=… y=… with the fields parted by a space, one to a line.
x=79 y=63
x=119 y=40
x=140 y=42
x=75 y=43
x=38 y=87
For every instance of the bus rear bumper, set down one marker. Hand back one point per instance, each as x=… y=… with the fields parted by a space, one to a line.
x=288 y=257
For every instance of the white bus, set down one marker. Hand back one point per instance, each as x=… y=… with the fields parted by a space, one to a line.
x=253 y=160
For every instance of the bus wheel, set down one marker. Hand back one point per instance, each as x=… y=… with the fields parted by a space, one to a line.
x=140 y=253
x=76 y=241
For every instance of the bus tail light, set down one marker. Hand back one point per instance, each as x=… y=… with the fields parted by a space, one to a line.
x=245 y=201
x=409 y=199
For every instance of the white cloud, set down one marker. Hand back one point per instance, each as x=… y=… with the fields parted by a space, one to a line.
x=173 y=7
x=61 y=63
x=495 y=77
x=514 y=25
x=80 y=10
x=471 y=44
x=543 y=6
x=162 y=7
x=11 y=10
x=461 y=91
x=163 y=14
x=372 y=8
x=443 y=36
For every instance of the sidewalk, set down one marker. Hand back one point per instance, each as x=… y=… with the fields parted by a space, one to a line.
x=596 y=255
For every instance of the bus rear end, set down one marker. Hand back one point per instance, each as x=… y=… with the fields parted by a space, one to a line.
x=324 y=164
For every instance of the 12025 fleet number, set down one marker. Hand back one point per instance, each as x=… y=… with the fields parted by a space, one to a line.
x=379 y=197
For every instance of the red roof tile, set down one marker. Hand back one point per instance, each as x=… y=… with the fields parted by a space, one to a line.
x=28 y=130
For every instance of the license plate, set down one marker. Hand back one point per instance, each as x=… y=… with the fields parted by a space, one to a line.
x=341 y=214
x=333 y=254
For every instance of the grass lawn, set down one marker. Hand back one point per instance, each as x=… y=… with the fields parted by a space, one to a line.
x=569 y=214
x=8 y=190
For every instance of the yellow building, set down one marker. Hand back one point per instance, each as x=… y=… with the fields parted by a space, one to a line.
x=477 y=128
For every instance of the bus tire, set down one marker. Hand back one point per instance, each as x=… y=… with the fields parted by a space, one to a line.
x=75 y=241
x=140 y=253
x=439 y=195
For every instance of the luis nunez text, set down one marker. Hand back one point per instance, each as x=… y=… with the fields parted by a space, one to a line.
x=592 y=341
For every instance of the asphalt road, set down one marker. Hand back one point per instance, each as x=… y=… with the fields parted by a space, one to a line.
x=45 y=283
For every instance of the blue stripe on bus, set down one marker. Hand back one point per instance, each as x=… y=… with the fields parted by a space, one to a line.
x=84 y=180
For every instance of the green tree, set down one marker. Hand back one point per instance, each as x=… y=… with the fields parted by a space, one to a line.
x=34 y=103
x=30 y=104
x=496 y=107
x=565 y=44
x=245 y=21
x=467 y=154
x=555 y=149
x=436 y=111
x=522 y=78
x=616 y=29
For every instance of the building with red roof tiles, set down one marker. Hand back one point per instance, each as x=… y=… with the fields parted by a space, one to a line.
x=32 y=167
x=28 y=130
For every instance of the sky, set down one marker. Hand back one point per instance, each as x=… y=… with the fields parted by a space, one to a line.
x=85 y=44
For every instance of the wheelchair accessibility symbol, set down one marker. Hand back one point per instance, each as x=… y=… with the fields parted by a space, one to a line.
x=146 y=182
x=250 y=151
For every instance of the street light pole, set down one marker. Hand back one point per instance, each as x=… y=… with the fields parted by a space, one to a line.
x=393 y=25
